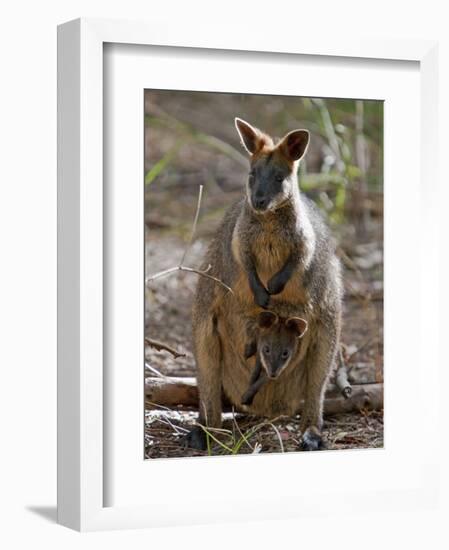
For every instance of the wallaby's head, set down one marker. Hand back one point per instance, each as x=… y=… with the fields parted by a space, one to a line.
x=278 y=341
x=272 y=179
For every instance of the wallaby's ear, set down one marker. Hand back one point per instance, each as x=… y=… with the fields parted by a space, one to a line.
x=266 y=319
x=294 y=144
x=252 y=138
x=297 y=324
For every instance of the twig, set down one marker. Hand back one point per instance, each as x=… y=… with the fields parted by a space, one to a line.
x=341 y=377
x=158 y=373
x=195 y=222
x=180 y=266
x=203 y=273
x=159 y=346
x=163 y=273
x=279 y=436
x=163 y=407
x=178 y=429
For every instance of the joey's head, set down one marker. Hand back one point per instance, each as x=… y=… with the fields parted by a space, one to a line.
x=272 y=179
x=278 y=341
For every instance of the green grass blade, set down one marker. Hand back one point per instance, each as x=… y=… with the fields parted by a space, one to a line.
x=161 y=164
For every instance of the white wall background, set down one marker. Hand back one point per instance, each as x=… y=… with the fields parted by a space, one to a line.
x=28 y=268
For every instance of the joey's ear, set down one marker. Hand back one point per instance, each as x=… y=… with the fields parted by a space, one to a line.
x=266 y=319
x=294 y=144
x=297 y=324
x=252 y=138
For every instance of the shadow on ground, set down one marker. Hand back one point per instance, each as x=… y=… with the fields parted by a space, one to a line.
x=47 y=512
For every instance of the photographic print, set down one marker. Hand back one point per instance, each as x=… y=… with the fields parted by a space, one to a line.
x=263 y=274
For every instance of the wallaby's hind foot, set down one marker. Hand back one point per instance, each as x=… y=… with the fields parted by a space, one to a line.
x=312 y=440
x=195 y=439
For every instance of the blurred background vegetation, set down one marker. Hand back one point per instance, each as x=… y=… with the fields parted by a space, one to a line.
x=190 y=139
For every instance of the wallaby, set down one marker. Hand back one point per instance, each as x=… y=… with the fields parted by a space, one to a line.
x=272 y=238
x=271 y=242
x=275 y=345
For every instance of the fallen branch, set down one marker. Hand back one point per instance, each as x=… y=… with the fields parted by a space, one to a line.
x=174 y=391
x=341 y=377
x=364 y=396
x=159 y=346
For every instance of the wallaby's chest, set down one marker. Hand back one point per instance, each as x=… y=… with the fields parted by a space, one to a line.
x=270 y=252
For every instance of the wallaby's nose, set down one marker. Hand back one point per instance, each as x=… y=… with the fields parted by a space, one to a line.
x=260 y=202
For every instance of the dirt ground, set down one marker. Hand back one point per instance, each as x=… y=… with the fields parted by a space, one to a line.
x=168 y=304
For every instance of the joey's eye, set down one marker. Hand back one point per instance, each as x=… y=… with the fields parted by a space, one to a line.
x=285 y=354
x=279 y=179
x=266 y=350
x=251 y=175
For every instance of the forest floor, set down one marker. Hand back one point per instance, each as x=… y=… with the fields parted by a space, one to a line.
x=168 y=304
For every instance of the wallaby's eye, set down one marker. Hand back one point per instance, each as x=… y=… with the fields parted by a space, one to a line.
x=266 y=350
x=279 y=179
x=285 y=354
x=251 y=175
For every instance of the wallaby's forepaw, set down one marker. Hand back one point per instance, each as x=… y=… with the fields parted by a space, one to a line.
x=276 y=285
x=262 y=298
x=312 y=440
x=195 y=439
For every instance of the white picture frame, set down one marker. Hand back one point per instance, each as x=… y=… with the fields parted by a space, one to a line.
x=82 y=491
